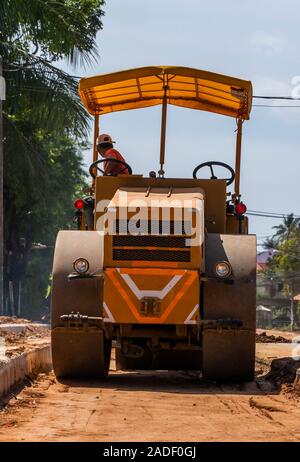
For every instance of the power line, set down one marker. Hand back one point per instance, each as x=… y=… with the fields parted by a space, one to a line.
x=273 y=105
x=291 y=98
x=260 y=215
x=278 y=217
x=271 y=214
x=268 y=213
x=277 y=98
x=295 y=215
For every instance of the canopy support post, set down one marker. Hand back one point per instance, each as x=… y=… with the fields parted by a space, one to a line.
x=238 y=157
x=95 y=152
x=96 y=133
x=163 y=132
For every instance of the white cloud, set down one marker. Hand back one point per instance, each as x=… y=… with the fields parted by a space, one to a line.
x=269 y=44
x=269 y=86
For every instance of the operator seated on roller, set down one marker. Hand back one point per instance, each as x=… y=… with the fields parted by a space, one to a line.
x=106 y=150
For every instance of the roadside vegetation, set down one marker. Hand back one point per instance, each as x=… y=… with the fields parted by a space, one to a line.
x=283 y=269
x=45 y=130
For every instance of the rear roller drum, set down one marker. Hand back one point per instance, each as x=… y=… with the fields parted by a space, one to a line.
x=163 y=359
x=145 y=362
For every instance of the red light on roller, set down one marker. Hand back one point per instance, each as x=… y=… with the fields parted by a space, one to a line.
x=240 y=208
x=79 y=204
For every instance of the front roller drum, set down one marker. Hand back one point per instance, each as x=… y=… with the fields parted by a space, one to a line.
x=78 y=352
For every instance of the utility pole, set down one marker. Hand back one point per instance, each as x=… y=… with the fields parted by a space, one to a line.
x=2 y=98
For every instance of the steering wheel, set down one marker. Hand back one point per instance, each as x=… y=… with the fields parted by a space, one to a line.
x=213 y=176
x=109 y=159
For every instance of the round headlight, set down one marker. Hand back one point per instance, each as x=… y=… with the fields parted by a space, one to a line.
x=81 y=265
x=223 y=269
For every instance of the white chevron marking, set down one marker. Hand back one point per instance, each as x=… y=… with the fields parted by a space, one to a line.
x=110 y=317
x=150 y=293
x=189 y=319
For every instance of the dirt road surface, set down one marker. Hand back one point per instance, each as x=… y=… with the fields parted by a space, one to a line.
x=149 y=407
x=152 y=406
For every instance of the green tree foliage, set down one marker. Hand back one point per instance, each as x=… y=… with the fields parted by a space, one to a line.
x=286 y=228
x=50 y=211
x=45 y=124
x=51 y=30
x=286 y=263
x=34 y=35
x=284 y=267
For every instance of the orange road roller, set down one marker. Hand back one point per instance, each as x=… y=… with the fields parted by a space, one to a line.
x=162 y=268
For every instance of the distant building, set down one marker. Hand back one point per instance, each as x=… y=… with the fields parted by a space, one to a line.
x=263 y=258
x=270 y=295
x=263 y=317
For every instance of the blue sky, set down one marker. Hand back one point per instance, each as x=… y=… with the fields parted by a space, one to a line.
x=258 y=40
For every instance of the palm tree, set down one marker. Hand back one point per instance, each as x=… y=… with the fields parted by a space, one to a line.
x=284 y=230
x=270 y=243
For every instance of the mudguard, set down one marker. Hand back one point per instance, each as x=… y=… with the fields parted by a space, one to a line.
x=229 y=354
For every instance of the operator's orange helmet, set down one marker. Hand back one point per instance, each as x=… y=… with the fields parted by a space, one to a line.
x=104 y=138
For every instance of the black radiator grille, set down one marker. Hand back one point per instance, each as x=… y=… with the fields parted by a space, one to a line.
x=151 y=255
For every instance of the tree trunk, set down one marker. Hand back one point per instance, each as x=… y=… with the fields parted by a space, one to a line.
x=294 y=313
x=19 y=298
x=11 y=298
x=1 y=192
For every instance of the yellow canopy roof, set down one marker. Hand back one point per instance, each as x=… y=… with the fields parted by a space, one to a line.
x=186 y=87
